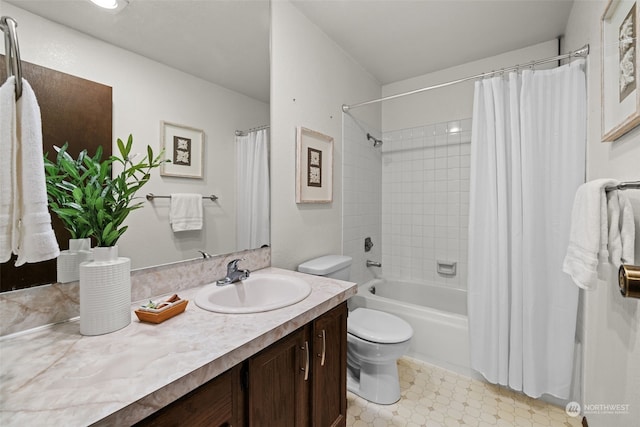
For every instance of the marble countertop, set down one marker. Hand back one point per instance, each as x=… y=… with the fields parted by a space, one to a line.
x=55 y=376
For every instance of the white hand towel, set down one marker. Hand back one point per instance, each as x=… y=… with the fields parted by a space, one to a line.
x=627 y=229
x=7 y=166
x=36 y=241
x=621 y=237
x=588 y=236
x=186 y=212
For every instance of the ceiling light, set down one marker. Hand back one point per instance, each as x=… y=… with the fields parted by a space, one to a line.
x=106 y=4
x=111 y=5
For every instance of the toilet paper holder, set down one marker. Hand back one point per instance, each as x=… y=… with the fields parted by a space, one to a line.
x=629 y=281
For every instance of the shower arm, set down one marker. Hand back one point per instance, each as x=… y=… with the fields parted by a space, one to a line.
x=376 y=142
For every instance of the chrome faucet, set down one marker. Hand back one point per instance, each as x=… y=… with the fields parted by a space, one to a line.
x=373 y=263
x=234 y=274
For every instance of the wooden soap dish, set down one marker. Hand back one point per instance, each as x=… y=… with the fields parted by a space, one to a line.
x=162 y=315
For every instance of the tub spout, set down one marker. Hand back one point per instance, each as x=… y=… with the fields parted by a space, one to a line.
x=373 y=263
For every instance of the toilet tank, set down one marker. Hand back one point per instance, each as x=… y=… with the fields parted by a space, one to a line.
x=333 y=266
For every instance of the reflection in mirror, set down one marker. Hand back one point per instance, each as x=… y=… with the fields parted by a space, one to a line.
x=201 y=65
x=85 y=109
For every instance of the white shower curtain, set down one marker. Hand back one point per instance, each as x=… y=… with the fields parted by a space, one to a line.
x=252 y=173
x=527 y=160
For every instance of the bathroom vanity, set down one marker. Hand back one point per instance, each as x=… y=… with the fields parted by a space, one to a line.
x=219 y=369
x=298 y=381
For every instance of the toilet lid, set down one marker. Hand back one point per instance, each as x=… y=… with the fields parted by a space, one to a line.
x=378 y=326
x=325 y=264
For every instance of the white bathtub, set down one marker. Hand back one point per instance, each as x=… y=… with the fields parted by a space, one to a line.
x=437 y=314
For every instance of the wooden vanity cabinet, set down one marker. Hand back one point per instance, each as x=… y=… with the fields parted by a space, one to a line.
x=329 y=371
x=301 y=379
x=217 y=403
x=298 y=381
x=277 y=377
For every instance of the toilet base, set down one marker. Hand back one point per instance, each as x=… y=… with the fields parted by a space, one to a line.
x=377 y=383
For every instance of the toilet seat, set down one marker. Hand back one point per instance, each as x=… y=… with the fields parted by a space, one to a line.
x=378 y=326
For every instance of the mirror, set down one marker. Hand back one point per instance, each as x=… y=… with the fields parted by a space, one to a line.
x=211 y=75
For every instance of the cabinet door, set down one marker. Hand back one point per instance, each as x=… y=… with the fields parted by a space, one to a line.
x=329 y=389
x=278 y=383
x=212 y=404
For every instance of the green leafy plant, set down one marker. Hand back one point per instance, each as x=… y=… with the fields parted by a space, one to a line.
x=88 y=200
x=64 y=177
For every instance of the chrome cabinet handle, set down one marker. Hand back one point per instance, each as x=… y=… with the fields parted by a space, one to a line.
x=306 y=363
x=323 y=335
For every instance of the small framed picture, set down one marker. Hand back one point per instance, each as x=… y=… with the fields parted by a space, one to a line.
x=184 y=146
x=314 y=167
x=620 y=89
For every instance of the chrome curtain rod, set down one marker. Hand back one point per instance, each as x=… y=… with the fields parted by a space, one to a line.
x=582 y=53
x=12 y=52
x=152 y=196
x=245 y=132
x=629 y=185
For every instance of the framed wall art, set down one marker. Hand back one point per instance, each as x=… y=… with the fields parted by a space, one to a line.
x=620 y=88
x=184 y=146
x=314 y=167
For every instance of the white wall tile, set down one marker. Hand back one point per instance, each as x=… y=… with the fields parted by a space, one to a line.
x=425 y=201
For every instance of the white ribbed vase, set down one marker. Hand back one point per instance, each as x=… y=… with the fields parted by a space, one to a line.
x=105 y=292
x=68 y=262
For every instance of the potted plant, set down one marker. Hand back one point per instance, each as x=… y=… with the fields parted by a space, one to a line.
x=89 y=202
x=62 y=177
x=89 y=193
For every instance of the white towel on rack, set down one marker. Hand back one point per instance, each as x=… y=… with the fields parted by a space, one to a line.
x=621 y=237
x=186 y=212
x=36 y=241
x=588 y=237
x=7 y=166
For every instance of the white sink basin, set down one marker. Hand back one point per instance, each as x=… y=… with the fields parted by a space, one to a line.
x=260 y=292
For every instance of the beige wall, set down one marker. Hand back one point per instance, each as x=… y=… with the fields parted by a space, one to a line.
x=311 y=77
x=610 y=325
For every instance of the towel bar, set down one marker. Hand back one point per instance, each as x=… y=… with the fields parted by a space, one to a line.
x=629 y=185
x=12 y=51
x=152 y=196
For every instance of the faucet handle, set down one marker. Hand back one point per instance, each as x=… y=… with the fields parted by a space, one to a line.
x=233 y=273
x=233 y=265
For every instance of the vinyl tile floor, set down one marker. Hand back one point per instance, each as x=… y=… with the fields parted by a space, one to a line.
x=434 y=397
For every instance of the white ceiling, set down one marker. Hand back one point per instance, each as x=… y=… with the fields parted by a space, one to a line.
x=223 y=41
x=398 y=39
x=227 y=41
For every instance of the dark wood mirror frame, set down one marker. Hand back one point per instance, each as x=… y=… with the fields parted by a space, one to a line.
x=73 y=110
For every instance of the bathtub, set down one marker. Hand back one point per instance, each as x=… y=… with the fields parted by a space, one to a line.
x=437 y=314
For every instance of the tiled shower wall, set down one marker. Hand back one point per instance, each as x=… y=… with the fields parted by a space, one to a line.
x=362 y=197
x=425 y=201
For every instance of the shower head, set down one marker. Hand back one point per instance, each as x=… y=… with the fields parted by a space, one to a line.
x=376 y=142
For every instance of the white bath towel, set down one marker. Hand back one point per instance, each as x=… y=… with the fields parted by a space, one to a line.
x=7 y=166
x=35 y=240
x=621 y=237
x=588 y=236
x=186 y=212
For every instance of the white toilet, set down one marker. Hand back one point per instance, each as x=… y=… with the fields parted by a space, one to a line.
x=375 y=340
